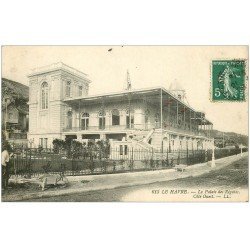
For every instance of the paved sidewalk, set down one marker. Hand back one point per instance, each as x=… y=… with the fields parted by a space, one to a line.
x=79 y=184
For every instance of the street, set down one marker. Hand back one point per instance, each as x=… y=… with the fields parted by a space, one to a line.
x=235 y=175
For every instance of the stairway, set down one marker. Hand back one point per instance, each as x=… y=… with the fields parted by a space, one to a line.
x=152 y=140
x=144 y=145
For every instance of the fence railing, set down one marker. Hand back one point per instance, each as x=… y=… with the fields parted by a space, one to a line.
x=31 y=162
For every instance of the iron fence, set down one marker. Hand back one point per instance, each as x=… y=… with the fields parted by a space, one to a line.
x=34 y=161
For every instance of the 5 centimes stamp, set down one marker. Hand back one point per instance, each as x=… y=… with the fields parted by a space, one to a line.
x=228 y=80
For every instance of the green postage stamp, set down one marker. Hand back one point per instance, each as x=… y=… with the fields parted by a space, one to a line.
x=228 y=80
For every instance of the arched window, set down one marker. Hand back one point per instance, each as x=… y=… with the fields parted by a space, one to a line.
x=85 y=121
x=69 y=120
x=129 y=118
x=11 y=115
x=102 y=119
x=68 y=88
x=115 y=117
x=44 y=96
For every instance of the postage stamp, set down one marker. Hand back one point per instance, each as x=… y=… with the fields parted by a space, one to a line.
x=228 y=80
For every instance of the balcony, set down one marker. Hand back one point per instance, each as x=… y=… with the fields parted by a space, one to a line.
x=109 y=128
x=118 y=128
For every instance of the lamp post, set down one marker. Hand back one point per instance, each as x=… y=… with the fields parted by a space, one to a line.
x=213 y=158
x=241 y=146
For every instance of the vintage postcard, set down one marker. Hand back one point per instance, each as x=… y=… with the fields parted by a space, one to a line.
x=124 y=123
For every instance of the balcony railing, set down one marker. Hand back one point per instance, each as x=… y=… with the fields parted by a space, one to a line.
x=106 y=128
x=179 y=129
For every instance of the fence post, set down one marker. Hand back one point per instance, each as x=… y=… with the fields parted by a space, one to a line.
x=26 y=156
x=192 y=159
x=132 y=158
x=178 y=159
x=15 y=170
x=167 y=163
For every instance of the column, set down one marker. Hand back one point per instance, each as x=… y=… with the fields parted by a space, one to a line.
x=129 y=109
x=169 y=110
x=184 y=116
x=190 y=127
x=177 y=112
x=79 y=122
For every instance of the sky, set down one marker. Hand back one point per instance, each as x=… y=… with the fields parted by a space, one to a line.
x=148 y=66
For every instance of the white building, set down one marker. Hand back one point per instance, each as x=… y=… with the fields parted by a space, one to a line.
x=60 y=107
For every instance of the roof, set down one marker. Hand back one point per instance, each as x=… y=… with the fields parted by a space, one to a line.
x=18 y=93
x=19 y=89
x=22 y=108
x=59 y=66
x=118 y=95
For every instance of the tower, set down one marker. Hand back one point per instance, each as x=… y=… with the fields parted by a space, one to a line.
x=49 y=87
x=177 y=90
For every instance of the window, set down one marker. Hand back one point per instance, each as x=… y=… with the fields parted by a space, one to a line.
x=45 y=142
x=85 y=121
x=125 y=149
x=68 y=88
x=11 y=116
x=45 y=95
x=80 y=90
x=41 y=142
x=121 y=150
x=69 y=120
x=115 y=117
x=130 y=118
x=102 y=120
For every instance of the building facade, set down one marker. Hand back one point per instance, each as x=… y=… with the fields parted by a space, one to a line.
x=153 y=118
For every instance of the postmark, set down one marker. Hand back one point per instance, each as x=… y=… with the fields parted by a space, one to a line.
x=228 y=80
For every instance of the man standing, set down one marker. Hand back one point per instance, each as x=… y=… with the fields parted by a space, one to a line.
x=5 y=166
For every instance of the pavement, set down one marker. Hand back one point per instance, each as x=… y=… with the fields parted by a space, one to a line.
x=80 y=184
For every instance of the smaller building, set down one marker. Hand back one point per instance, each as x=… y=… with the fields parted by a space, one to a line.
x=15 y=111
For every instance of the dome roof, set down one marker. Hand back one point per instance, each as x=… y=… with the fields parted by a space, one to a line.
x=175 y=85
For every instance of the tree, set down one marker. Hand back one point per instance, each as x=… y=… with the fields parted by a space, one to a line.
x=58 y=145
